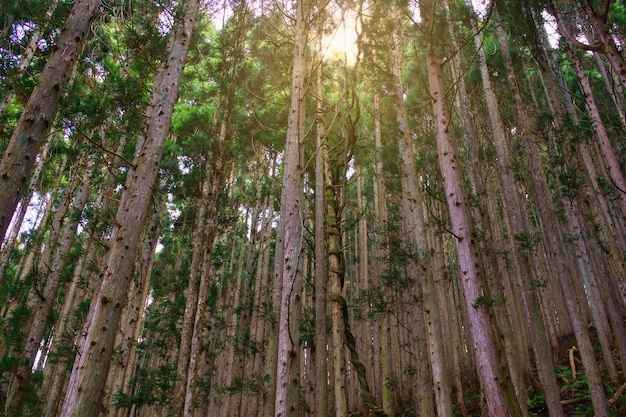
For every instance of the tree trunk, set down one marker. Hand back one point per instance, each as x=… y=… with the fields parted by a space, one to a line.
x=21 y=152
x=566 y=279
x=289 y=271
x=321 y=266
x=91 y=367
x=486 y=356
x=522 y=263
x=39 y=322
x=604 y=142
x=381 y=248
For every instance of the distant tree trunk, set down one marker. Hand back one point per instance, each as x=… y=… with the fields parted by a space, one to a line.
x=90 y=370
x=39 y=322
x=604 y=142
x=522 y=262
x=566 y=278
x=381 y=250
x=262 y=295
x=336 y=276
x=604 y=42
x=9 y=244
x=413 y=228
x=290 y=272
x=364 y=344
x=21 y=152
x=57 y=371
x=209 y=226
x=28 y=52
x=486 y=356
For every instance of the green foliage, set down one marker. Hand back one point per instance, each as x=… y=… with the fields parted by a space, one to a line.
x=527 y=240
x=153 y=386
x=536 y=403
x=487 y=301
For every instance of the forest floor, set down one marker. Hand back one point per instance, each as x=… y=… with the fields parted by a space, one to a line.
x=574 y=390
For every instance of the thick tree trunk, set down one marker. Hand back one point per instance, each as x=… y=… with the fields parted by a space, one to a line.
x=21 y=153
x=289 y=269
x=485 y=351
x=91 y=366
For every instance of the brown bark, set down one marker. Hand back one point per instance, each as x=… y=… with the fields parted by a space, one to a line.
x=321 y=266
x=522 y=263
x=381 y=325
x=604 y=42
x=56 y=372
x=567 y=279
x=289 y=267
x=486 y=356
x=39 y=322
x=21 y=152
x=91 y=366
x=604 y=142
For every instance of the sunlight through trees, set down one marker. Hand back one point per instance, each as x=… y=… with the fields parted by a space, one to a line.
x=312 y=208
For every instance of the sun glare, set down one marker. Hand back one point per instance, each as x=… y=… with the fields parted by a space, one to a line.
x=342 y=42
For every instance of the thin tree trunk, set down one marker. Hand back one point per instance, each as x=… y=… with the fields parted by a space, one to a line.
x=321 y=266
x=566 y=279
x=39 y=322
x=612 y=163
x=381 y=326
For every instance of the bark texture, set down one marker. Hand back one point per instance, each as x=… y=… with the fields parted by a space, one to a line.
x=91 y=367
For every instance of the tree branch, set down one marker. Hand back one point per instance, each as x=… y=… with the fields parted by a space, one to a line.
x=93 y=142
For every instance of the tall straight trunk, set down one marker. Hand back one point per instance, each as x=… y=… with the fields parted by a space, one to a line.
x=321 y=266
x=90 y=369
x=209 y=227
x=485 y=350
x=21 y=152
x=566 y=279
x=39 y=322
x=365 y=324
x=502 y=281
x=600 y=268
x=56 y=373
x=604 y=142
x=413 y=227
x=381 y=326
x=336 y=276
x=522 y=263
x=11 y=239
x=33 y=267
x=251 y=402
x=120 y=375
x=289 y=271
x=243 y=331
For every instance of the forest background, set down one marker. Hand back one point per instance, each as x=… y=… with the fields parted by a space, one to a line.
x=312 y=208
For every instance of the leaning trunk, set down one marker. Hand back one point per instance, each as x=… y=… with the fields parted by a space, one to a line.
x=90 y=369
